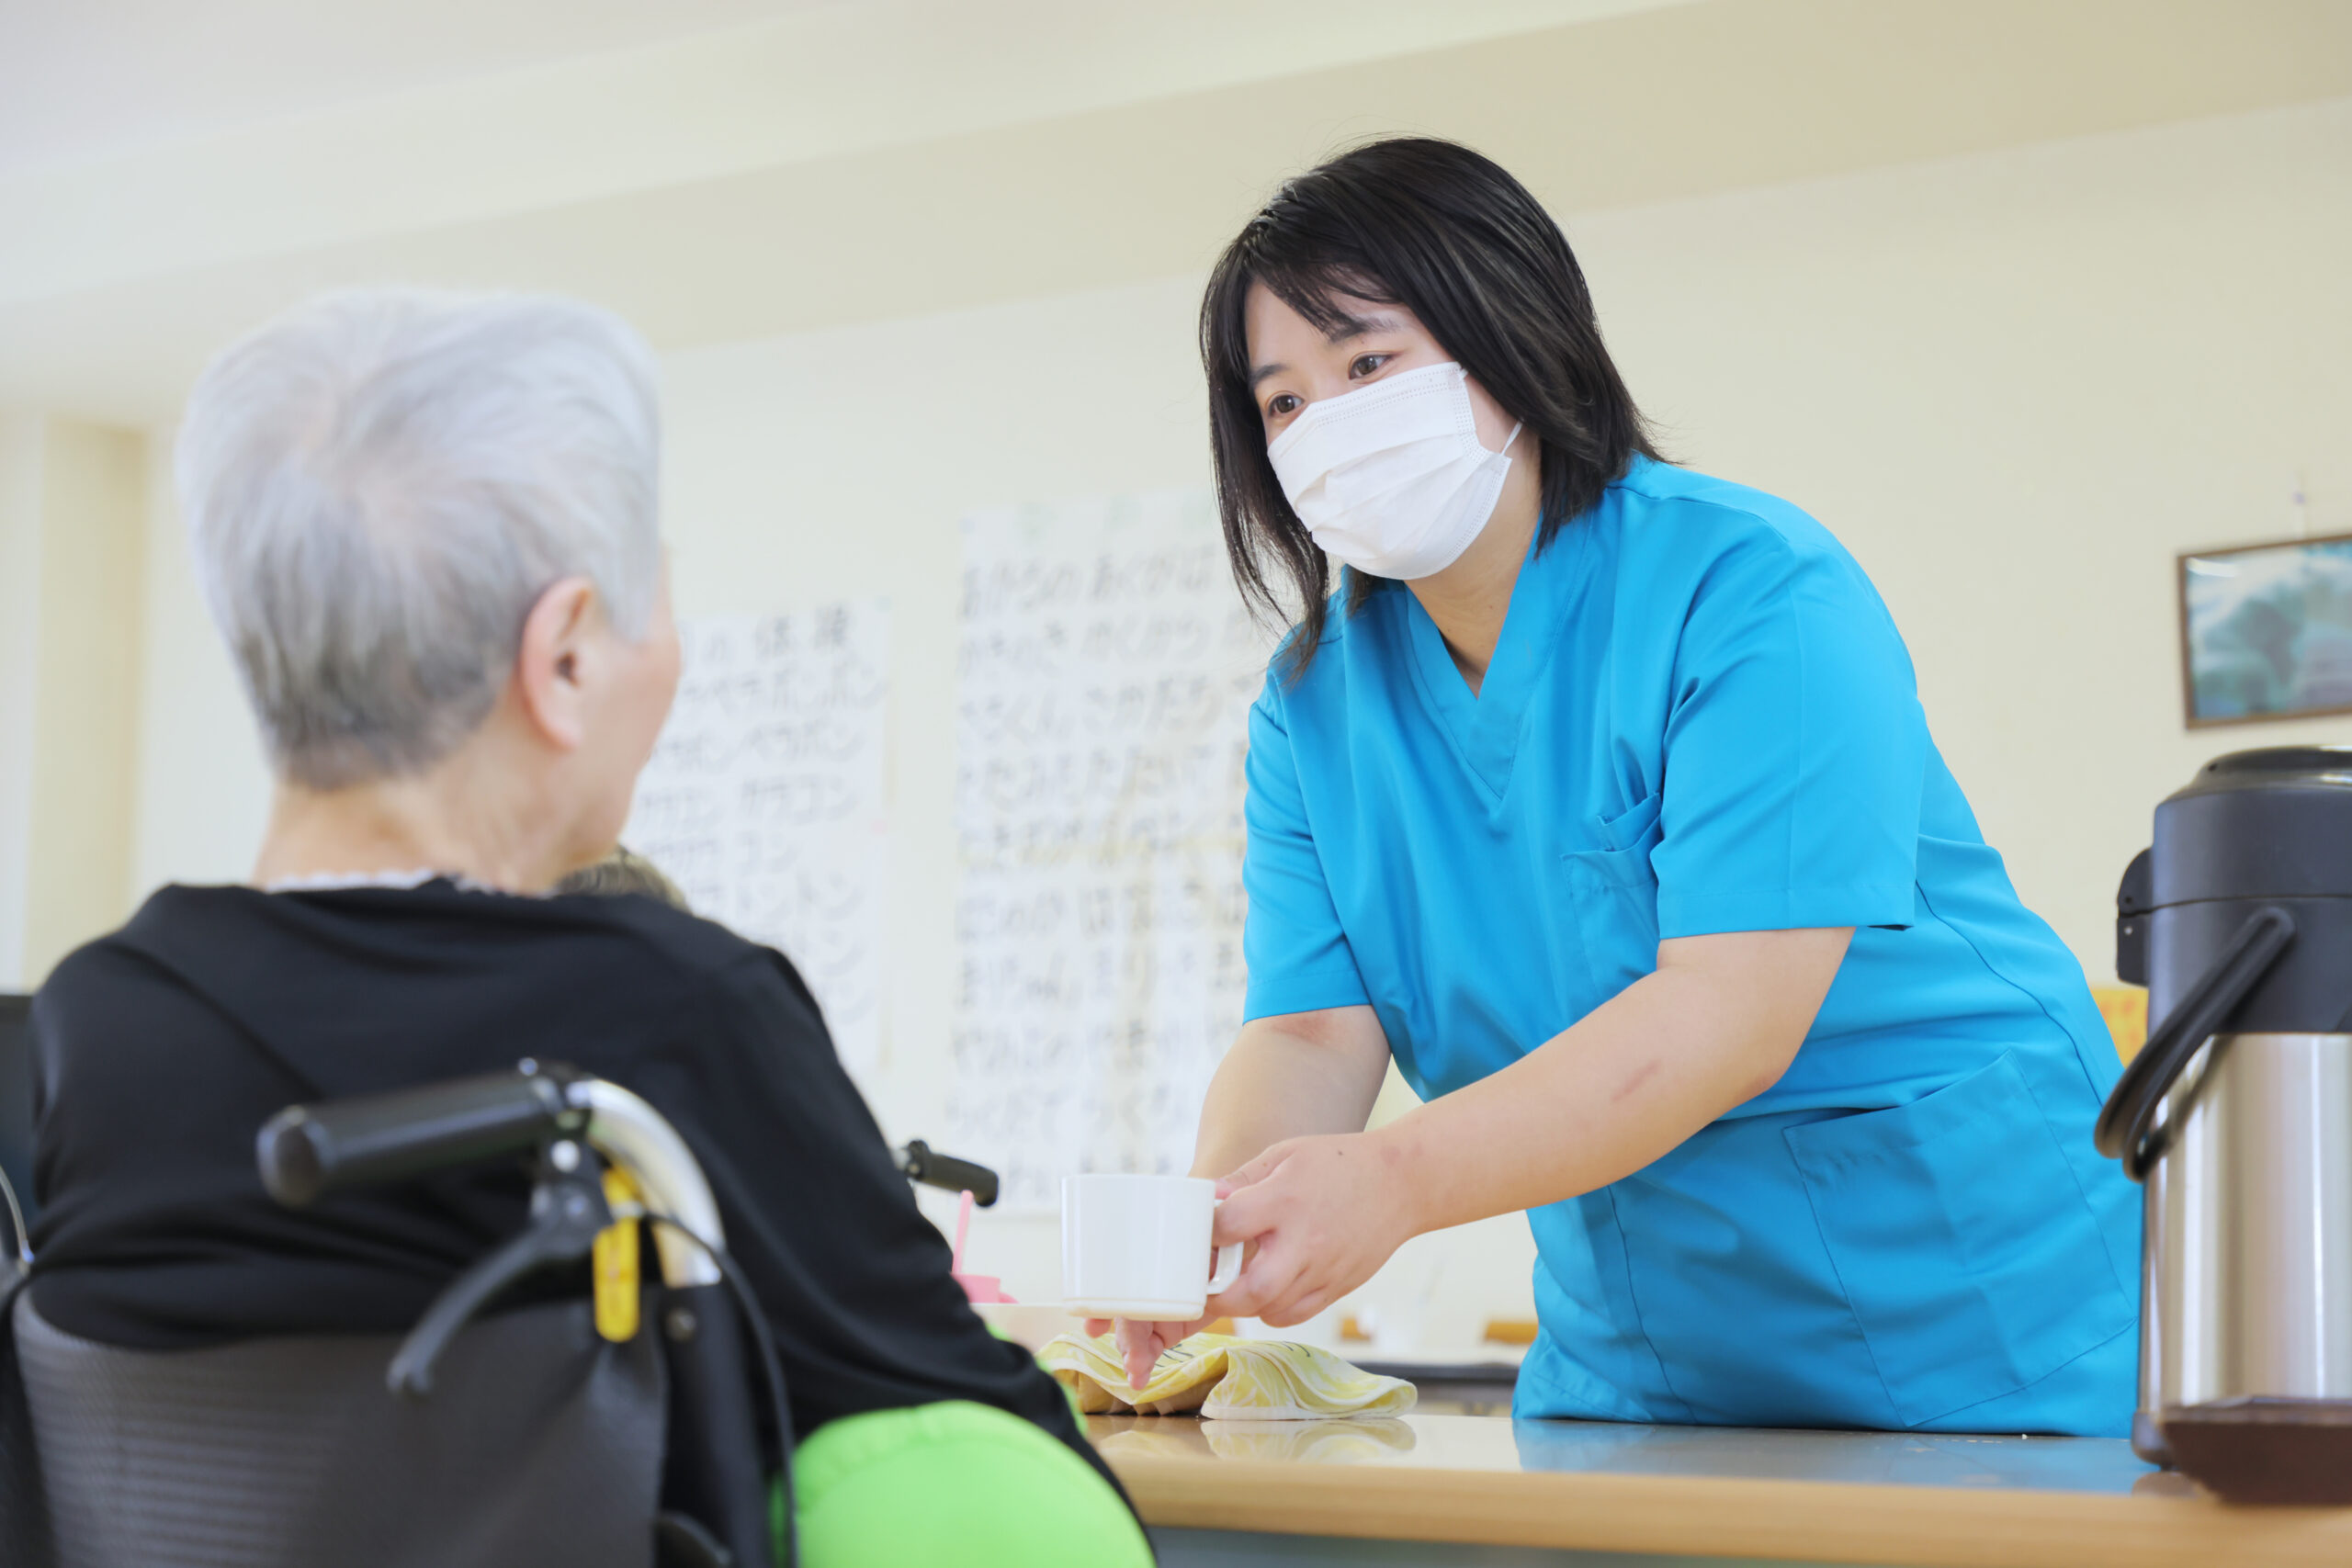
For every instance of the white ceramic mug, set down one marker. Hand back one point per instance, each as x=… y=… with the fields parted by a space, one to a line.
x=1138 y=1246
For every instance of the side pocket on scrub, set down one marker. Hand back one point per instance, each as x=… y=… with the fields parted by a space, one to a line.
x=1615 y=896
x=1965 y=1247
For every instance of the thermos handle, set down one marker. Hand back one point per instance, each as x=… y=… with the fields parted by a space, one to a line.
x=2127 y=1129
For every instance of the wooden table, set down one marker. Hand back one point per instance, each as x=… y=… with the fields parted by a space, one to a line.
x=1531 y=1491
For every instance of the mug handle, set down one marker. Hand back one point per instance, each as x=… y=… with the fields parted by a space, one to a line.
x=1229 y=1262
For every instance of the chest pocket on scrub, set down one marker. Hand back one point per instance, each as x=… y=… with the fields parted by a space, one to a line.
x=1613 y=894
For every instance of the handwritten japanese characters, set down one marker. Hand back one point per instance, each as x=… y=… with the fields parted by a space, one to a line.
x=1105 y=675
x=766 y=801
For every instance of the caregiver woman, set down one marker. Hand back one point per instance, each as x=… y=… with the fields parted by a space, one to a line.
x=1599 y=796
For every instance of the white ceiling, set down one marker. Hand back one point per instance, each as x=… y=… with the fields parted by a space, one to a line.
x=84 y=79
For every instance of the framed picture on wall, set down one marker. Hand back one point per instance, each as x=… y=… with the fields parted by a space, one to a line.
x=2266 y=631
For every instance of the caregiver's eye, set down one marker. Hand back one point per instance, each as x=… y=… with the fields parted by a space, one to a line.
x=1364 y=365
x=1282 y=405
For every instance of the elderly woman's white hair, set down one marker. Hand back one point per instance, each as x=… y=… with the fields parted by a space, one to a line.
x=379 y=485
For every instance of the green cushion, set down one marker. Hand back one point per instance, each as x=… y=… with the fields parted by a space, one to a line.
x=954 y=1483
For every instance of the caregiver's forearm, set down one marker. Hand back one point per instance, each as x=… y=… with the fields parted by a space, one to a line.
x=1288 y=1076
x=1715 y=1025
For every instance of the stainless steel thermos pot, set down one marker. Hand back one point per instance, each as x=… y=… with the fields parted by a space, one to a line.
x=2237 y=1117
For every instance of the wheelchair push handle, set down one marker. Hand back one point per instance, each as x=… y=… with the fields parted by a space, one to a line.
x=308 y=1151
x=924 y=1164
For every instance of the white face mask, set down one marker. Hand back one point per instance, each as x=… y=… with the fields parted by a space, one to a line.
x=1392 y=480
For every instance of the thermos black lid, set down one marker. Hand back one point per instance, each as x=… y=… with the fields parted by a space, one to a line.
x=2274 y=823
x=2274 y=767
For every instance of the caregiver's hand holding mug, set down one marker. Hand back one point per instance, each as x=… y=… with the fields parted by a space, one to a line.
x=1140 y=1248
x=1319 y=1214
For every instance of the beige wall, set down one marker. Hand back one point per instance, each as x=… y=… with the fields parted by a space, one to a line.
x=73 y=502
x=2015 y=383
x=20 y=445
x=203 y=790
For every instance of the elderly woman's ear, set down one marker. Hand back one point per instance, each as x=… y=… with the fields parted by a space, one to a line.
x=589 y=701
x=557 y=661
x=593 y=698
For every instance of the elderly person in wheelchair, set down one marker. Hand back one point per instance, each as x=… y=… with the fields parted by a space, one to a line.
x=427 y=528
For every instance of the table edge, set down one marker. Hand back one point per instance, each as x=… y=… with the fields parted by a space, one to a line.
x=1929 y=1527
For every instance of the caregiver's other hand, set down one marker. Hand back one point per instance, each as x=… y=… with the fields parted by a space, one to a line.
x=1141 y=1343
x=1325 y=1211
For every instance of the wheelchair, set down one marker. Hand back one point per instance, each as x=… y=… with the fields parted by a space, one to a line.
x=534 y=1434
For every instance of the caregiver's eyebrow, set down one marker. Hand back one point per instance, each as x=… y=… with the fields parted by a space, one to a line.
x=1345 y=327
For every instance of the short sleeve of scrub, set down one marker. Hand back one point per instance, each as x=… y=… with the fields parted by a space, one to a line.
x=1795 y=751
x=1298 y=957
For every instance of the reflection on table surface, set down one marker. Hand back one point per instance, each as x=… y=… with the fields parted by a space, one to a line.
x=1499 y=1443
x=1341 y=1441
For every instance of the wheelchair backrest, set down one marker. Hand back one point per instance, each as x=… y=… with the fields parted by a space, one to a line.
x=540 y=1443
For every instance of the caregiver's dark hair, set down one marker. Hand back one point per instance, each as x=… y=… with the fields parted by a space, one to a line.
x=1448 y=235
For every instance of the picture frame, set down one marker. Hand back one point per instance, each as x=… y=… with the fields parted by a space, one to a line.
x=2266 y=631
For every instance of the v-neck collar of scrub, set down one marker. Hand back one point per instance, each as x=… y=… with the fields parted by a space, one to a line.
x=1485 y=728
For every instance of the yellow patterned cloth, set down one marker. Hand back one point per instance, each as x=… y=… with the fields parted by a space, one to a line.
x=1224 y=1375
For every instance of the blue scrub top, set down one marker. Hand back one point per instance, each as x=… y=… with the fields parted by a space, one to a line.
x=1700 y=718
